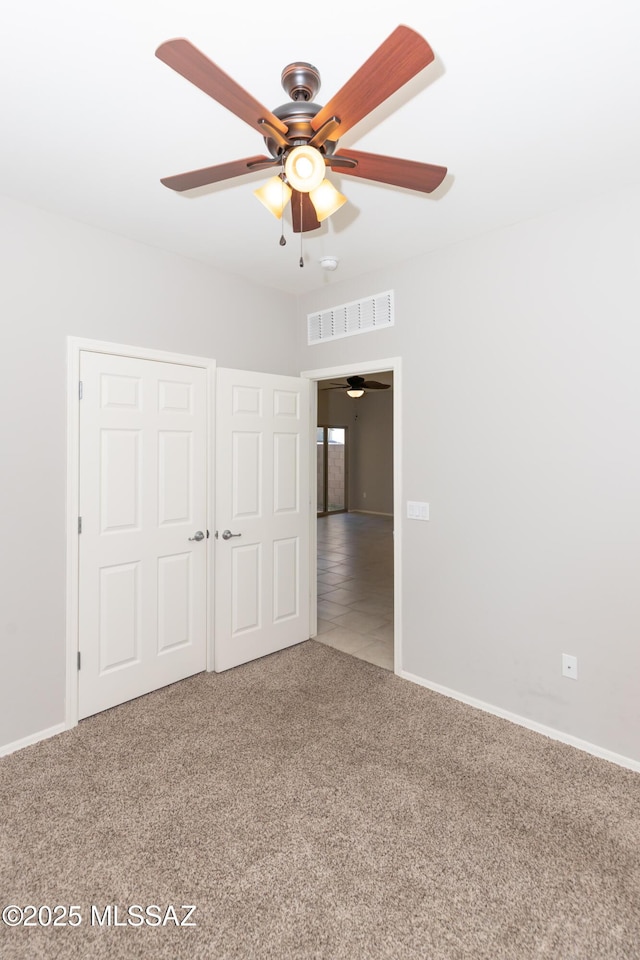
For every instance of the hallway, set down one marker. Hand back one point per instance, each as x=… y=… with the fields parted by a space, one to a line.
x=355 y=585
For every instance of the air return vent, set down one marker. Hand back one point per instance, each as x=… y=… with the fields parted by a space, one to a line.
x=360 y=316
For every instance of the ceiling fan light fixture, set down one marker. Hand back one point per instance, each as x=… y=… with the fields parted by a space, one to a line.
x=304 y=168
x=326 y=199
x=275 y=195
x=301 y=137
x=355 y=394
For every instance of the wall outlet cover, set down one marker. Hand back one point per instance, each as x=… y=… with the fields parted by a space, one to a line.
x=417 y=510
x=569 y=666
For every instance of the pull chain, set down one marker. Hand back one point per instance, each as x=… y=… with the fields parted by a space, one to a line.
x=301 y=225
x=283 y=241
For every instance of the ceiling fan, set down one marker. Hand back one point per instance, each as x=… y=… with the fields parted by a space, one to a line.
x=357 y=386
x=301 y=136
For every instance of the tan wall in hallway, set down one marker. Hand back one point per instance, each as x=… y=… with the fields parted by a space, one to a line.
x=370 y=457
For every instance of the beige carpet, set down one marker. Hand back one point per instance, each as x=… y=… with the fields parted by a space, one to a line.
x=311 y=805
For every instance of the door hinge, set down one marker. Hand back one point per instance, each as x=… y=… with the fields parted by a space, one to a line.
x=79 y=659
x=79 y=524
x=80 y=389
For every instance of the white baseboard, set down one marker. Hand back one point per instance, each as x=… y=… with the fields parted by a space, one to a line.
x=550 y=732
x=31 y=739
x=371 y=513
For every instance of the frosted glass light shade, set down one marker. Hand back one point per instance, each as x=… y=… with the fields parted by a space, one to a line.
x=275 y=194
x=355 y=393
x=326 y=200
x=304 y=168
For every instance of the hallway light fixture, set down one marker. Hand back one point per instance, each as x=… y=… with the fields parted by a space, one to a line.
x=355 y=394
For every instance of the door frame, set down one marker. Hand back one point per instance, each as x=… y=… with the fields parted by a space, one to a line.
x=329 y=373
x=76 y=345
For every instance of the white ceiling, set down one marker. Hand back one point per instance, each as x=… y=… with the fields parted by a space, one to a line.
x=531 y=105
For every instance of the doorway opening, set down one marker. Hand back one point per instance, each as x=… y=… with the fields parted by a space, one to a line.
x=355 y=586
x=357 y=550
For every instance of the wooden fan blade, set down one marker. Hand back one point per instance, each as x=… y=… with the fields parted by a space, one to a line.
x=191 y=63
x=403 y=54
x=223 y=171
x=357 y=383
x=400 y=173
x=304 y=219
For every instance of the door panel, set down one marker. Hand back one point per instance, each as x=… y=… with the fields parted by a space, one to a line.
x=262 y=498
x=120 y=480
x=246 y=474
x=246 y=582
x=286 y=592
x=142 y=581
x=175 y=480
x=286 y=456
x=119 y=606
x=175 y=587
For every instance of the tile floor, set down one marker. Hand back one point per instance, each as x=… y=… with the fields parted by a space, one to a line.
x=355 y=585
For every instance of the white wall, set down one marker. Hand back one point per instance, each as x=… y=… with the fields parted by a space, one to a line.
x=521 y=414
x=62 y=278
x=521 y=405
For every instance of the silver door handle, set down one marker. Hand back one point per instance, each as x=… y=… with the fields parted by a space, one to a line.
x=199 y=535
x=226 y=534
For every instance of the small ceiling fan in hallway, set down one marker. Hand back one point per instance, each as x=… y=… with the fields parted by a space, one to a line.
x=356 y=387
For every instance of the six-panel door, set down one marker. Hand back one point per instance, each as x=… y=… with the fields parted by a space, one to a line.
x=143 y=484
x=262 y=502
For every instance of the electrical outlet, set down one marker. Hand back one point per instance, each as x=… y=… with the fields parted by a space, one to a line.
x=569 y=666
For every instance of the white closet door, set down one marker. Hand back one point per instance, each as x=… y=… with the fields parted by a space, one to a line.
x=143 y=481
x=262 y=510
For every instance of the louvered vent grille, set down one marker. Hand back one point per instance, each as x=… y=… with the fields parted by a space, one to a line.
x=360 y=316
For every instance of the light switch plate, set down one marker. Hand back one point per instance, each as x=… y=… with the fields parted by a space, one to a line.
x=417 y=510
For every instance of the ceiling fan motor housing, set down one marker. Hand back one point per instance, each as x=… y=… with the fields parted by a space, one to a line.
x=301 y=81
x=298 y=116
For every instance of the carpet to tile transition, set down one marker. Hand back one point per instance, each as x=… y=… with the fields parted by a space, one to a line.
x=310 y=805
